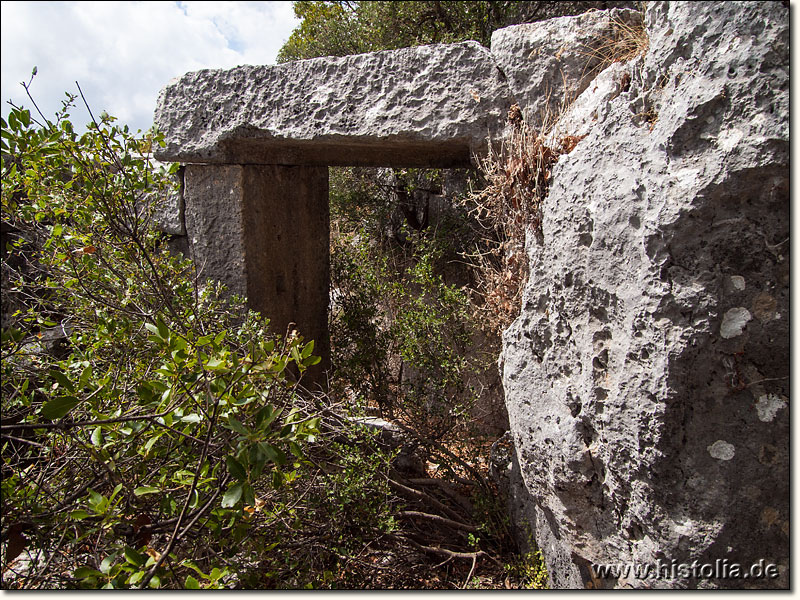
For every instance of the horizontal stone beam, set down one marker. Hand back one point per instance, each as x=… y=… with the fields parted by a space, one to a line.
x=427 y=106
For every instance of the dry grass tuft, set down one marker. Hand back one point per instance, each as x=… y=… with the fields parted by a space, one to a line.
x=518 y=178
x=517 y=181
x=627 y=40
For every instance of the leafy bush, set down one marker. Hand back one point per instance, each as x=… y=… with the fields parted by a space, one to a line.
x=135 y=451
x=400 y=335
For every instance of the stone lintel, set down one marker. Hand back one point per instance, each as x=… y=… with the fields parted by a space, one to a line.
x=423 y=106
x=338 y=153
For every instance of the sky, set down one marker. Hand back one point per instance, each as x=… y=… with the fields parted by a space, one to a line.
x=123 y=53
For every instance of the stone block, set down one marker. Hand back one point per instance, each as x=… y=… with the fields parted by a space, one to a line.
x=263 y=231
x=168 y=214
x=428 y=106
x=549 y=63
x=647 y=399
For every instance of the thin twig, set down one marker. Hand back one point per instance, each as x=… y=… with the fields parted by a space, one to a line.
x=438 y=519
x=65 y=426
x=471 y=571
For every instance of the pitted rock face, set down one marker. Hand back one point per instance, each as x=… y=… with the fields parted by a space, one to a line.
x=423 y=106
x=647 y=378
x=549 y=63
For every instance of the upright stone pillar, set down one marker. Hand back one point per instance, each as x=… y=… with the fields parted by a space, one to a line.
x=264 y=231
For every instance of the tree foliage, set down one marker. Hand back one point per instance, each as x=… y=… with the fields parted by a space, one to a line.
x=340 y=28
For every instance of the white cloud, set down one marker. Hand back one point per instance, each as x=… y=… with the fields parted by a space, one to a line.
x=123 y=53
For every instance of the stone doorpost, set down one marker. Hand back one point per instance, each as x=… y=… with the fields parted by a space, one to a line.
x=264 y=231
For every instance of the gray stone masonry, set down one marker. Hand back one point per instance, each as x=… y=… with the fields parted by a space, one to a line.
x=263 y=231
x=424 y=106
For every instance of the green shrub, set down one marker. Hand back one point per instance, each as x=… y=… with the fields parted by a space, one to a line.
x=399 y=334
x=135 y=455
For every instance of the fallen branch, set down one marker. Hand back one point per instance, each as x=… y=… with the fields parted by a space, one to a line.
x=443 y=552
x=423 y=497
x=437 y=519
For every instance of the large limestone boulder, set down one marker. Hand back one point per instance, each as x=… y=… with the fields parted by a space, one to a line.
x=423 y=106
x=647 y=377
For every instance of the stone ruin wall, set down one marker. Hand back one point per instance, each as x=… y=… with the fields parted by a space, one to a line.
x=647 y=376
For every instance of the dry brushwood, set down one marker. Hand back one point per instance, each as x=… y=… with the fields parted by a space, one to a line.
x=517 y=177
x=627 y=39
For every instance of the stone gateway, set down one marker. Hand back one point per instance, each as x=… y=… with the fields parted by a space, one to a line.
x=647 y=376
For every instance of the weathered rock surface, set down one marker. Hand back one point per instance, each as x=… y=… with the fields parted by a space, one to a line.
x=422 y=106
x=647 y=376
x=169 y=210
x=549 y=63
x=261 y=230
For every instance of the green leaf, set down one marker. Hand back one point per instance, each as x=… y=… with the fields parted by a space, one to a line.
x=232 y=496
x=97 y=436
x=235 y=468
x=204 y=340
x=105 y=566
x=194 y=567
x=115 y=491
x=257 y=461
x=134 y=557
x=94 y=498
x=295 y=448
x=144 y=490
x=145 y=393
x=136 y=577
x=62 y=380
x=266 y=416
x=150 y=443
x=55 y=409
x=249 y=495
x=191 y=583
x=237 y=426
x=85 y=376
x=276 y=455
x=163 y=330
x=78 y=515
x=84 y=572
x=153 y=329
x=217 y=364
